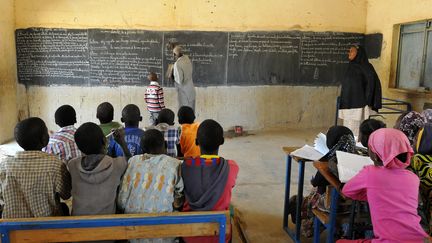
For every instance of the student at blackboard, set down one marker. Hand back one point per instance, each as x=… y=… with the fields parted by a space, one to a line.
x=183 y=78
x=62 y=143
x=131 y=116
x=154 y=98
x=361 y=90
x=105 y=114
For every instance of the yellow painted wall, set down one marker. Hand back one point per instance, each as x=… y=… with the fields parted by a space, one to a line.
x=242 y=15
x=381 y=16
x=8 y=104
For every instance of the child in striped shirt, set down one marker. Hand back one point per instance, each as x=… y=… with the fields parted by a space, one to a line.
x=154 y=98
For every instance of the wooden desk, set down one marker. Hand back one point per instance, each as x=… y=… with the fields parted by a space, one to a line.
x=294 y=235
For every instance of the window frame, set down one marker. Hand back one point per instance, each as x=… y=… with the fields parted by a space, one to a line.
x=396 y=55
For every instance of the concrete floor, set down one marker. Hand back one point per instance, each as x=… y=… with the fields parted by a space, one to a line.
x=260 y=189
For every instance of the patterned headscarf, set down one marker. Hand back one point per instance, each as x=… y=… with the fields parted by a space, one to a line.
x=339 y=138
x=410 y=124
x=428 y=114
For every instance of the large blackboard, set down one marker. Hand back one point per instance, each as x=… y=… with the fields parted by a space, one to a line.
x=105 y=57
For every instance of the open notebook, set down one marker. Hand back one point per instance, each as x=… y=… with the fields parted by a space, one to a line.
x=350 y=165
x=313 y=153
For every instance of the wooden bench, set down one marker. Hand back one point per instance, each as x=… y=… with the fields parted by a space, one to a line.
x=116 y=227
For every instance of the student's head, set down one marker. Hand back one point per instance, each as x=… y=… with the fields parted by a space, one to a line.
x=31 y=134
x=209 y=137
x=335 y=133
x=152 y=76
x=90 y=139
x=186 y=115
x=131 y=115
x=153 y=142
x=367 y=127
x=410 y=123
x=166 y=116
x=390 y=148
x=105 y=112
x=65 y=116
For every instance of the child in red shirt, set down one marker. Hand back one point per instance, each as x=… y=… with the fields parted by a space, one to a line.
x=209 y=179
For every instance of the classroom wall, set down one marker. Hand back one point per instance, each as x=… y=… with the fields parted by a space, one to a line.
x=253 y=107
x=381 y=16
x=8 y=106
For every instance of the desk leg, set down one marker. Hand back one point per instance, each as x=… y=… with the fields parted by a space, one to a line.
x=333 y=214
x=287 y=191
x=299 y=199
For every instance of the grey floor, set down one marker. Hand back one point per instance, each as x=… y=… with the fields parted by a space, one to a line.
x=259 y=193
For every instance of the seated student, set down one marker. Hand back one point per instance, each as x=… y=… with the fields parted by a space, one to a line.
x=208 y=179
x=165 y=124
x=96 y=176
x=152 y=183
x=410 y=123
x=32 y=182
x=339 y=138
x=189 y=128
x=421 y=165
x=62 y=143
x=131 y=117
x=367 y=127
x=105 y=114
x=390 y=189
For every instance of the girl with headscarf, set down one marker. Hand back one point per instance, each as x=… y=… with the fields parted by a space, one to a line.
x=390 y=189
x=339 y=138
x=410 y=123
x=361 y=90
x=421 y=165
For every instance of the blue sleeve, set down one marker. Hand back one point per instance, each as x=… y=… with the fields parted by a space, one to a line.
x=114 y=150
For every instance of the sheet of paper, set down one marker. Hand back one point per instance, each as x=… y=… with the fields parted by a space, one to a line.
x=320 y=143
x=350 y=164
x=307 y=152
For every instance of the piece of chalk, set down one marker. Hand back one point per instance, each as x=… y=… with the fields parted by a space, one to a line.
x=109 y=134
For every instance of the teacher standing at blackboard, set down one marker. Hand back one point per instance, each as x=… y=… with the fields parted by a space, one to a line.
x=182 y=71
x=361 y=90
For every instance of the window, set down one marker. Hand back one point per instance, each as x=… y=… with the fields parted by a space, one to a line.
x=414 y=69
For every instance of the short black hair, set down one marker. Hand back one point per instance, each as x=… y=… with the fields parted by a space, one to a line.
x=31 y=134
x=152 y=140
x=90 y=138
x=65 y=116
x=335 y=133
x=367 y=127
x=186 y=115
x=105 y=112
x=210 y=135
x=166 y=116
x=131 y=114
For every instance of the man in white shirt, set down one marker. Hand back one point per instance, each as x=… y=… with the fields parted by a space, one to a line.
x=183 y=79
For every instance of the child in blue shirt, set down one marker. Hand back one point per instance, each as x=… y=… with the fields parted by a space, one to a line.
x=131 y=117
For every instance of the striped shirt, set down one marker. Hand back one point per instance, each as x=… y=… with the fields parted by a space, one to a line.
x=31 y=183
x=154 y=97
x=62 y=144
